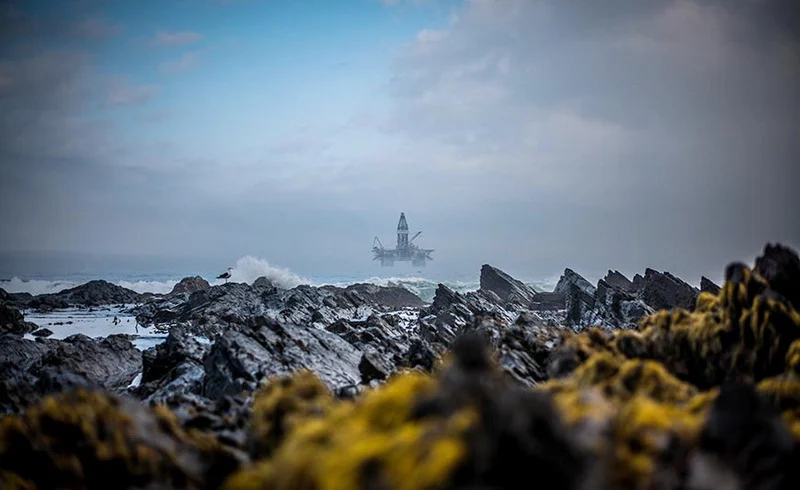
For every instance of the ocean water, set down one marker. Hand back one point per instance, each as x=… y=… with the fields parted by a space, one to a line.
x=38 y=278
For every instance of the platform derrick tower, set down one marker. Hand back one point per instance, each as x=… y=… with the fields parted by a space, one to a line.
x=404 y=251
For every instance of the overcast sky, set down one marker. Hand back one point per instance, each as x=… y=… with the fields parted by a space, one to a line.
x=533 y=135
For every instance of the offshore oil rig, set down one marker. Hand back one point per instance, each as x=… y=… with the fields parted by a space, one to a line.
x=404 y=252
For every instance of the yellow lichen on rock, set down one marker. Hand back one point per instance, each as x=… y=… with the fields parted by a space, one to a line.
x=87 y=439
x=281 y=404
x=375 y=439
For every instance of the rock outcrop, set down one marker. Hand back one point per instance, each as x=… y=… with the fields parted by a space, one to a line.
x=508 y=289
x=708 y=286
x=208 y=310
x=30 y=369
x=664 y=291
x=91 y=294
x=618 y=280
x=189 y=285
x=13 y=322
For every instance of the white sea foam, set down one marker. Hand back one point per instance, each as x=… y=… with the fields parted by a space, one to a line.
x=34 y=286
x=248 y=269
x=155 y=287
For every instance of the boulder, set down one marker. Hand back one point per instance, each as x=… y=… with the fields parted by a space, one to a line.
x=243 y=355
x=189 y=285
x=90 y=294
x=13 y=322
x=508 y=289
x=112 y=362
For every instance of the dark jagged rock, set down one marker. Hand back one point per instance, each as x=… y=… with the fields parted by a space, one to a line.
x=419 y=356
x=242 y=356
x=618 y=280
x=508 y=289
x=383 y=344
x=616 y=307
x=708 y=286
x=31 y=369
x=20 y=389
x=93 y=293
x=664 y=291
x=522 y=348
x=13 y=322
x=549 y=302
x=172 y=368
x=744 y=442
x=571 y=279
x=112 y=362
x=780 y=266
x=392 y=297
x=578 y=296
x=23 y=353
x=42 y=332
x=15 y=300
x=234 y=303
x=189 y=285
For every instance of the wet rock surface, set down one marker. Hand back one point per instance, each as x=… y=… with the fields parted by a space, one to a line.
x=91 y=294
x=12 y=321
x=30 y=369
x=508 y=289
x=188 y=285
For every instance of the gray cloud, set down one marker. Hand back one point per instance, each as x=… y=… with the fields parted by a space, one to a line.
x=180 y=38
x=532 y=135
x=666 y=129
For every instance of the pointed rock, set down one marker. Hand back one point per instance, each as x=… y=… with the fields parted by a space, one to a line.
x=507 y=288
x=708 y=286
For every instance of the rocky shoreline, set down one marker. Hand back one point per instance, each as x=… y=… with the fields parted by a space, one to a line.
x=242 y=365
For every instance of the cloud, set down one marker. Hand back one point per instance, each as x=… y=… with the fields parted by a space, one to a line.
x=669 y=118
x=122 y=94
x=187 y=61
x=182 y=38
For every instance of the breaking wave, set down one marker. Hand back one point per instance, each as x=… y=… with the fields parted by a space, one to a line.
x=248 y=269
x=34 y=286
x=155 y=287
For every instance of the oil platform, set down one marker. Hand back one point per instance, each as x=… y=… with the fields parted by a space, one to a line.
x=405 y=251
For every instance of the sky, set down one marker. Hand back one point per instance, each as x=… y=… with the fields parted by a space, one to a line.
x=529 y=134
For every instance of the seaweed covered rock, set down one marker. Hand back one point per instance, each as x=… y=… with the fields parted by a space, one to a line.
x=87 y=439
x=467 y=428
